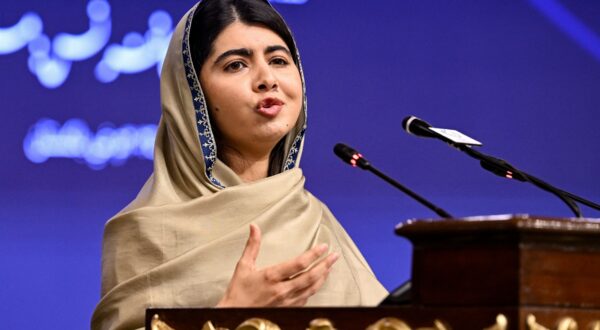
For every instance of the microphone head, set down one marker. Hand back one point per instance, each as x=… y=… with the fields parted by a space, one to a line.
x=350 y=156
x=418 y=127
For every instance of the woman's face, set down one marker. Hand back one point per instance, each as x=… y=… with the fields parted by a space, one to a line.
x=252 y=87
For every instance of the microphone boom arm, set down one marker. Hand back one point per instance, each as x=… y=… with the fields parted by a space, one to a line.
x=513 y=173
x=500 y=167
x=410 y=193
x=355 y=159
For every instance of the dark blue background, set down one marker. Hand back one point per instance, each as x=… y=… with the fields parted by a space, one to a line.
x=499 y=71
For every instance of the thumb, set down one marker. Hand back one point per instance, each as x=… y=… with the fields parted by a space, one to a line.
x=252 y=246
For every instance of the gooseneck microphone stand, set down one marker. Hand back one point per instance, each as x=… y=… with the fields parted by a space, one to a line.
x=354 y=158
x=500 y=167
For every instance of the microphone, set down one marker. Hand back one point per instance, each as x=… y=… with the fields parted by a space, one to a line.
x=351 y=156
x=418 y=127
x=500 y=167
x=356 y=159
x=421 y=128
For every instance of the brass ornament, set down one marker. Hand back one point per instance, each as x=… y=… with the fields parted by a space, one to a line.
x=594 y=325
x=158 y=324
x=392 y=323
x=389 y=323
x=321 y=324
x=208 y=326
x=501 y=323
x=257 y=324
x=437 y=325
x=567 y=323
x=533 y=325
x=441 y=325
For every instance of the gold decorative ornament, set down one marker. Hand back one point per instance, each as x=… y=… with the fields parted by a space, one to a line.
x=594 y=325
x=533 y=325
x=389 y=323
x=321 y=324
x=257 y=324
x=208 y=326
x=392 y=323
x=437 y=325
x=567 y=323
x=501 y=323
x=440 y=325
x=158 y=324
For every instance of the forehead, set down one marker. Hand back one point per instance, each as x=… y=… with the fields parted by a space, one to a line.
x=241 y=35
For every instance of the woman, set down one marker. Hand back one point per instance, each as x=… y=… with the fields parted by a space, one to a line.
x=226 y=159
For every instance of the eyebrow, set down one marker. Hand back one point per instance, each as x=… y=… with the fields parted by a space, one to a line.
x=245 y=52
x=272 y=49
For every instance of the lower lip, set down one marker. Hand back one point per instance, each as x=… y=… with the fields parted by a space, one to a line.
x=271 y=111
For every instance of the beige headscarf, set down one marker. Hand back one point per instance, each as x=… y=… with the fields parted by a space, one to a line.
x=177 y=243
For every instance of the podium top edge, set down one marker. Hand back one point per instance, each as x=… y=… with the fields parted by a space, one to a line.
x=503 y=222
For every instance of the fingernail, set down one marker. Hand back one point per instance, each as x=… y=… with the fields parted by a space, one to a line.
x=335 y=256
x=322 y=247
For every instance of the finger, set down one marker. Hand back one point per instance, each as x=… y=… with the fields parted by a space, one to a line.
x=315 y=274
x=300 y=297
x=296 y=288
x=252 y=246
x=303 y=295
x=299 y=264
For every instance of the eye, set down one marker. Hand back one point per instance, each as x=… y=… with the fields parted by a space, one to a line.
x=235 y=66
x=280 y=61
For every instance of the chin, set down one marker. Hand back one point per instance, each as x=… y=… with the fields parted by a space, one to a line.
x=270 y=140
x=275 y=131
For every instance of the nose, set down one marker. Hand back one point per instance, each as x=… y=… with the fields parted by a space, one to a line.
x=265 y=79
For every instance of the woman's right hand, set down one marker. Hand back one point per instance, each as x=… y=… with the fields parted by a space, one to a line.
x=290 y=283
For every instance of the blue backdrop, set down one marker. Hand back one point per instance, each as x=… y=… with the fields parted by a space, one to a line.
x=80 y=97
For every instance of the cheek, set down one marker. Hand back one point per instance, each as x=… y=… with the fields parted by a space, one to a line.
x=224 y=98
x=229 y=111
x=296 y=83
x=296 y=92
x=292 y=86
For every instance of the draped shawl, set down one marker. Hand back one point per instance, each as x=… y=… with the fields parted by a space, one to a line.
x=177 y=243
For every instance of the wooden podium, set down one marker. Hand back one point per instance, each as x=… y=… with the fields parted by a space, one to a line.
x=495 y=272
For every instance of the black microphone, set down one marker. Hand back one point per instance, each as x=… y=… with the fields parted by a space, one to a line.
x=418 y=127
x=356 y=159
x=500 y=167
x=351 y=156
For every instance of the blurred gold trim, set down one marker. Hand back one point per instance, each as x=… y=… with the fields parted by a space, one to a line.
x=389 y=323
x=321 y=324
x=501 y=323
x=594 y=325
x=567 y=323
x=257 y=324
x=532 y=323
x=158 y=324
